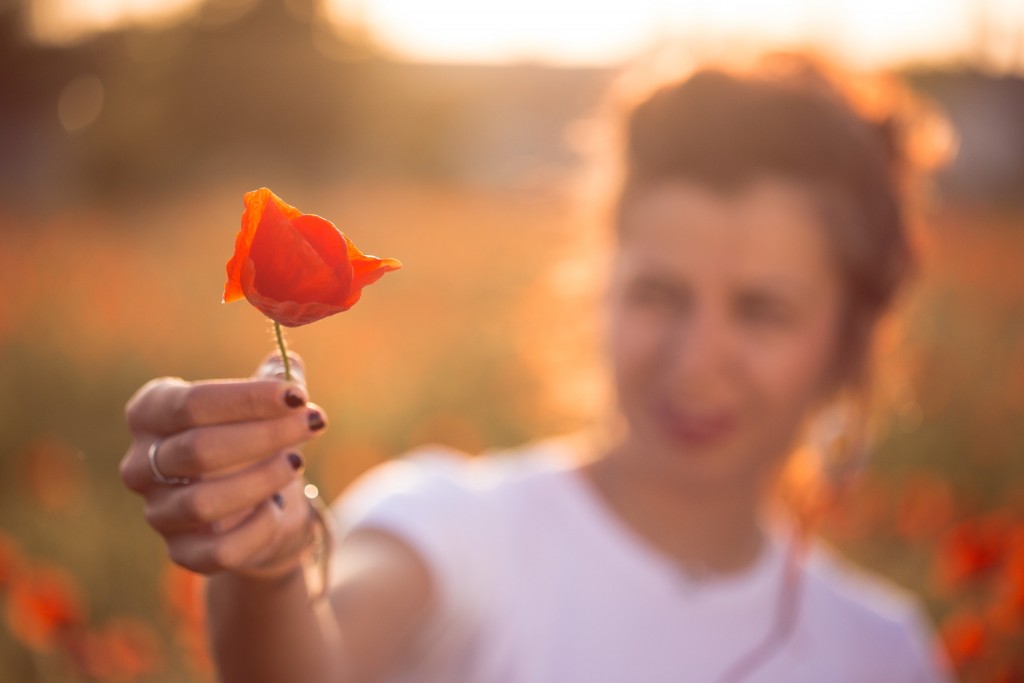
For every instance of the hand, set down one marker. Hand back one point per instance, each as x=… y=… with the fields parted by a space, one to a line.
x=235 y=444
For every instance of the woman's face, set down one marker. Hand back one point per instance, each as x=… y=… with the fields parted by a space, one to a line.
x=724 y=311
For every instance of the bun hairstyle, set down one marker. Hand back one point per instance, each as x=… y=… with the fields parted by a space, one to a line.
x=789 y=119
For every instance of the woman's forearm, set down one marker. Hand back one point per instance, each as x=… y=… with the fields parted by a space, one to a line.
x=270 y=631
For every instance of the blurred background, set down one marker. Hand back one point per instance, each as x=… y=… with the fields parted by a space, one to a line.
x=451 y=135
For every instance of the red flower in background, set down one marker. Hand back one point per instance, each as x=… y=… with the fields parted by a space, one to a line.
x=965 y=638
x=183 y=598
x=294 y=267
x=971 y=549
x=124 y=649
x=41 y=605
x=1007 y=609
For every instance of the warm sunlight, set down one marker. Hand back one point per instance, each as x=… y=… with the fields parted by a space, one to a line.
x=579 y=31
x=867 y=32
x=66 y=20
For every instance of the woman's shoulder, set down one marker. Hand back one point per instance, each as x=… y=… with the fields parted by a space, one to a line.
x=846 y=586
x=435 y=470
x=851 y=605
x=440 y=490
x=461 y=514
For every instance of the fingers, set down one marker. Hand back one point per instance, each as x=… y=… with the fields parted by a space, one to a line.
x=211 y=552
x=214 y=503
x=216 y=450
x=169 y=405
x=233 y=442
x=270 y=539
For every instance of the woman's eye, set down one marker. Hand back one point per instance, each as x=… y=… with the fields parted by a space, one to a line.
x=656 y=296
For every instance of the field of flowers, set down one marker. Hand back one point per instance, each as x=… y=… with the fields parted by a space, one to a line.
x=466 y=345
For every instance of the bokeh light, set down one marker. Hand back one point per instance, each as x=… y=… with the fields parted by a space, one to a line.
x=80 y=103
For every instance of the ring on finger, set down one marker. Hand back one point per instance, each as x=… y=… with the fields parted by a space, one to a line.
x=159 y=476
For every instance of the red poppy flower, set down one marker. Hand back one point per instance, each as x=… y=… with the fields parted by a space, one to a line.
x=125 y=649
x=41 y=604
x=294 y=267
x=965 y=638
x=971 y=549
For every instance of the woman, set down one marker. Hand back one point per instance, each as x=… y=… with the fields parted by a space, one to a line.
x=760 y=238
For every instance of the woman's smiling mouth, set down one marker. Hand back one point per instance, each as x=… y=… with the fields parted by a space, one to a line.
x=694 y=428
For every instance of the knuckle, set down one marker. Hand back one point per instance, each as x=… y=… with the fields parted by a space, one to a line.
x=180 y=555
x=191 y=448
x=193 y=508
x=134 y=408
x=152 y=516
x=187 y=407
x=125 y=470
x=223 y=555
x=131 y=411
x=251 y=399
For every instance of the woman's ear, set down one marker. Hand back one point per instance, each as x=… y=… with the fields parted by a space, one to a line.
x=839 y=435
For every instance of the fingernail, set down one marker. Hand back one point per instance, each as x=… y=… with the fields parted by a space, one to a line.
x=295 y=460
x=278 y=500
x=316 y=421
x=293 y=400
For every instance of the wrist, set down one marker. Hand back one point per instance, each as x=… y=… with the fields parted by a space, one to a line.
x=255 y=581
x=275 y=569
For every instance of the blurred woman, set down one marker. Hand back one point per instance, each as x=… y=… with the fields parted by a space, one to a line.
x=760 y=237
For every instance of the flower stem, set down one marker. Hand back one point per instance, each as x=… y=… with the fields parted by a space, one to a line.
x=284 y=351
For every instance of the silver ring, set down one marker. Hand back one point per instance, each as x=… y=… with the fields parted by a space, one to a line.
x=157 y=474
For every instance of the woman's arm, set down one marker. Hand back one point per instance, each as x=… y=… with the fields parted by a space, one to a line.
x=270 y=630
x=242 y=519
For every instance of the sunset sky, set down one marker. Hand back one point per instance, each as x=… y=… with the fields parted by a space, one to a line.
x=868 y=32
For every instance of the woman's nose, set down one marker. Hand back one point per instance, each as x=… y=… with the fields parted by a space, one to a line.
x=696 y=350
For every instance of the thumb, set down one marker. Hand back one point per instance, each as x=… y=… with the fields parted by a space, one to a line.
x=272 y=367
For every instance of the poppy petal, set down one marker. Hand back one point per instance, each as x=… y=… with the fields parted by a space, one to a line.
x=289 y=267
x=366 y=270
x=255 y=205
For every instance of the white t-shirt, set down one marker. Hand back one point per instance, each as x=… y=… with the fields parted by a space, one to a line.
x=539 y=582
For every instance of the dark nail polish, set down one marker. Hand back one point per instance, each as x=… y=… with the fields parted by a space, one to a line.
x=293 y=400
x=295 y=460
x=278 y=500
x=316 y=421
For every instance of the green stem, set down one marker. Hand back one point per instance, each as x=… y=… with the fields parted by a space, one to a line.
x=284 y=351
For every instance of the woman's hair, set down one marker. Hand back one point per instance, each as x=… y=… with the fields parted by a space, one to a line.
x=724 y=130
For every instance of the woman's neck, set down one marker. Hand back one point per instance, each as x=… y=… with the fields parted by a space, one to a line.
x=704 y=531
